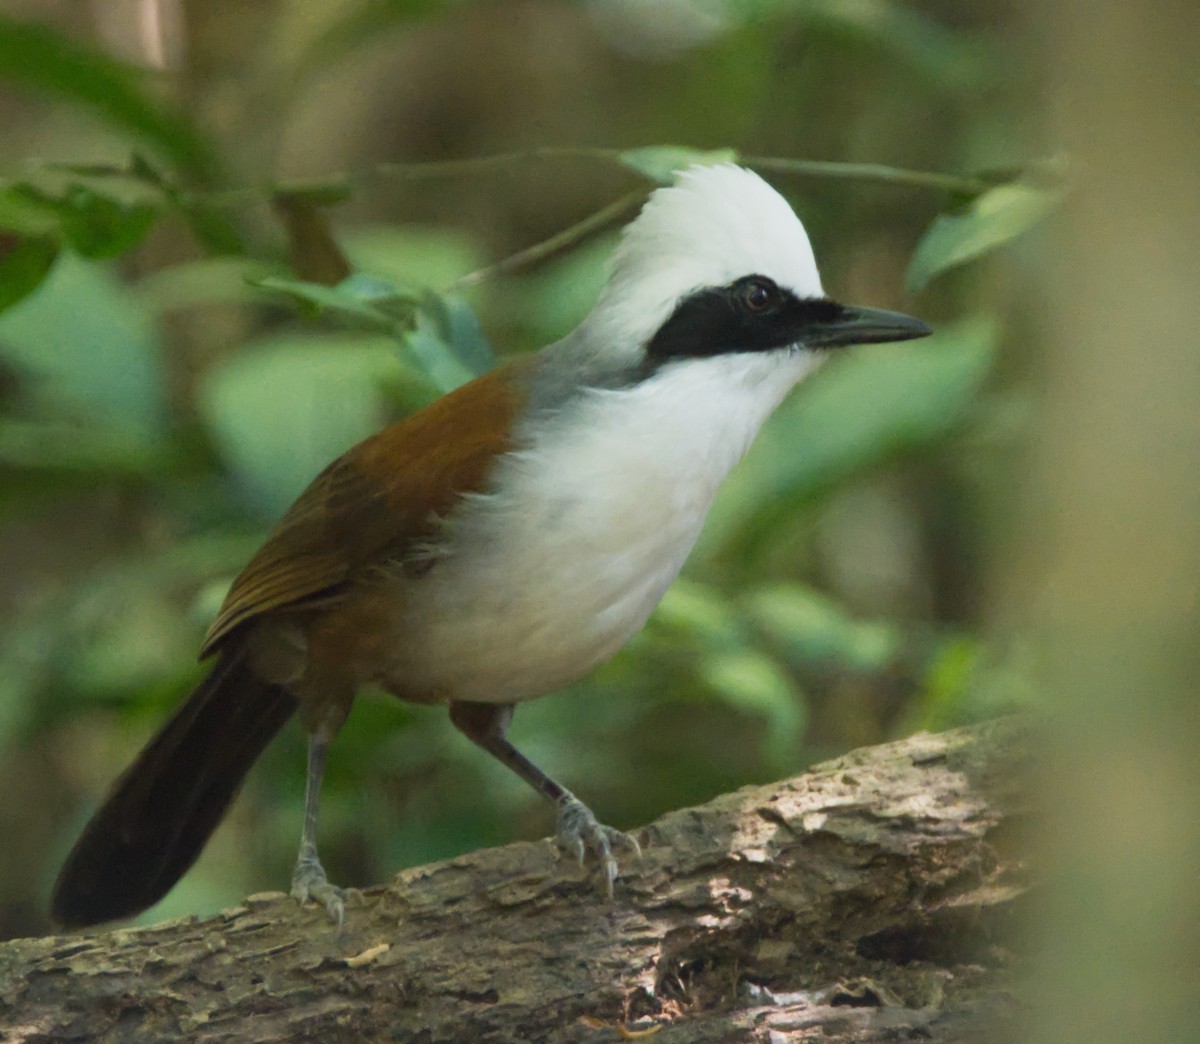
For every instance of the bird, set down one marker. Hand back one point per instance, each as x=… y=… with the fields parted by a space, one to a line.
x=499 y=543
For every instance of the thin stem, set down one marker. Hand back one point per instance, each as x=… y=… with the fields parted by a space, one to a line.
x=876 y=172
x=499 y=160
x=568 y=237
x=423 y=170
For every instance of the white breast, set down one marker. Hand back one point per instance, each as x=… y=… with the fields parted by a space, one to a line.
x=555 y=571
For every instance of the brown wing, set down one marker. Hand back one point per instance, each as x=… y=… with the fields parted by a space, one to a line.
x=376 y=500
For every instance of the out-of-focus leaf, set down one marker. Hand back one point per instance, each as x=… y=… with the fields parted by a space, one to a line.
x=25 y=261
x=661 y=162
x=98 y=227
x=38 y=57
x=550 y=301
x=748 y=678
x=813 y=629
x=39 y=223
x=702 y=613
x=868 y=405
x=951 y=61
x=440 y=333
x=702 y=623
x=25 y=213
x=354 y=303
x=111 y=653
x=445 y=340
x=992 y=219
x=386 y=297
x=213 y=280
x=88 y=346
x=102 y=452
x=968 y=680
x=365 y=24
x=459 y=337
x=283 y=409
x=434 y=356
x=93 y=225
x=142 y=184
x=413 y=256
x=207 y=222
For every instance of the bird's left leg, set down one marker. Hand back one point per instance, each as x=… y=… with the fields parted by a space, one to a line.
x=486 y=725
x=308 y=878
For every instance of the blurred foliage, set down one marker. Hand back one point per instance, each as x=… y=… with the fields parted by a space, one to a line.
x=199 y=309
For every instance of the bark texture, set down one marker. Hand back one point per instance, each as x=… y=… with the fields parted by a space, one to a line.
x=863 y=901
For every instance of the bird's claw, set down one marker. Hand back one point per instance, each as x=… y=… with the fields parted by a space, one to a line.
x=309 y=882
x=579 y=831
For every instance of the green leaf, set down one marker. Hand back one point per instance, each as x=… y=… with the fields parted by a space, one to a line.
x=384 y=296
x=700 y=612
x=95 y=226
x=25 y=261
x=868 y=405
x=749 y=679
x=202 y=283
x=813 y=629
x=40 y=58
x=364 y=26
x=89 y=347
x=992 y=219
x=552 y=300
x=463 y=351
x=99 y=227
x=63 y=447
x=661 y=163
x=412 y=256
x=25 y=211
x=355 y=301
x=905 y=38
x=284 y=408
x=440 y=333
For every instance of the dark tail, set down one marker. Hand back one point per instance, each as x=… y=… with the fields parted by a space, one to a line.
x=161 y=812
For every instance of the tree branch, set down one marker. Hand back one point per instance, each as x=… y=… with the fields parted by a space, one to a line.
x=855 y=903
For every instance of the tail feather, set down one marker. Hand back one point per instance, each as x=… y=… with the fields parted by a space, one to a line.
x=163 y=809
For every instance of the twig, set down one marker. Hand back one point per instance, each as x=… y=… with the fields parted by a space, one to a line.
x=876 y=172
x=568 y=237
x=342 y=184
x=497 y=161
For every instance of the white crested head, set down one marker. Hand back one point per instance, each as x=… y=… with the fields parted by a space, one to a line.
x=715 y=225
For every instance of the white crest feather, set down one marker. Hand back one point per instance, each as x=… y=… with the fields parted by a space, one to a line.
x=716 y=224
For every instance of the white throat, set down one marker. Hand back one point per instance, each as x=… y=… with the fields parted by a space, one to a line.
x=588 y=525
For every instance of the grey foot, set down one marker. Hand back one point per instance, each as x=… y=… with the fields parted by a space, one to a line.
x=309 y=882
x=580 y=832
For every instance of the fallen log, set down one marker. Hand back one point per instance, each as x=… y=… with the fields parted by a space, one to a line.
x=863 y=901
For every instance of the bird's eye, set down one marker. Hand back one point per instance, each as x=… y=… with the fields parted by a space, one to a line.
x=759 y=295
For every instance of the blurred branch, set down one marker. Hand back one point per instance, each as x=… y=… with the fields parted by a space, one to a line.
x=603 y=218
x=298 y=203
x=855 y=903
x=339 y=186
x=875 y=172
x=497 y=161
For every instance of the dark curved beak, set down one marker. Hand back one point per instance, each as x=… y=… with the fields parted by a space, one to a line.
x=854 y=325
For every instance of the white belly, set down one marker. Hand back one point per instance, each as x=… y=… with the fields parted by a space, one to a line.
x=553 y=574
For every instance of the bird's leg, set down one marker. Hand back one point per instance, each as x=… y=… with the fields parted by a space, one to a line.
x=578 y=830
x=308 y=878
